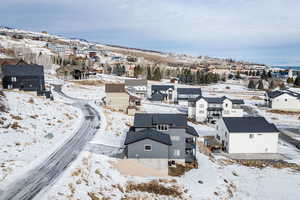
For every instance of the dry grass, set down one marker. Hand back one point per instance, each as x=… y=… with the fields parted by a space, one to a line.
x=31 y=101
x=256 y=98
x=282 y=112
x=178 y=170
x=16 y=117
x=34 y=116
x=154 y=187
x=88 y=82
x=68 y=116
x=15 y=125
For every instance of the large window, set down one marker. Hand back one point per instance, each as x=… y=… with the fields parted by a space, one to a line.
x=148 y=147
x=176 y=152
x=175 y=138
x=251 y=136
x=162 y=127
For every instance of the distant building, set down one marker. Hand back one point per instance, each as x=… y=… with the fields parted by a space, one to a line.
x=247 y=135
x=116 y=97
x=283 y=100
x=211 y=108
x=164 y=93
x=23 y=77
x=159 y=140
x=186 y=94
x=137 y=86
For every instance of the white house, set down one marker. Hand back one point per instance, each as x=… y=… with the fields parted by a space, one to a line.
x=247 y=135
x=163 y=93
x=208 y=108
x=137 y=87
x=283 y=100
x=186 y=94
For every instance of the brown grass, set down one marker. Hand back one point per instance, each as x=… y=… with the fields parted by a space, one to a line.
x=282 y=112
x=88 y=82
x=154 y=187
x=15 y=125
x=31 y=101
x=16 y=117
x=34 y=116
x=256 y=98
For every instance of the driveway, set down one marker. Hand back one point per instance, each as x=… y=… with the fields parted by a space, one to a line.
x=30 y=184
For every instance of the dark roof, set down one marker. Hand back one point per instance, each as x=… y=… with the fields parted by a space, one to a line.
x=217 y=100
x=135 y=82
x=145 y=120
x=114 y=88
x=189 y=91
x=237 y=101
x=154 y=135
x=249 y=125
x=161 y=87
x=22 y=70
x=157 y=96
x=190 y=130
x=276 y=93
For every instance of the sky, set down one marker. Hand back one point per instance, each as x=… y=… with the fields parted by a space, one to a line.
x=262 y=31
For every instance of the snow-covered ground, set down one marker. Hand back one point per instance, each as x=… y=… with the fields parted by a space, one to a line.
x=94 y=175
x=33 y=128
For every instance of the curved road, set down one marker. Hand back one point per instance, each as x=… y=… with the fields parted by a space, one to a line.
x=29 y=185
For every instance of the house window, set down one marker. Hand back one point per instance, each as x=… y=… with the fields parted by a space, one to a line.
x=13 y=79
x=285 y=99
x=226 y=105
x=217 y=127
x=176 y=152
x=251 y=136
x=226 y=134
x=162 y=127
x=148 y=147
x=175 y=138
x=201 y=105
x=201 y=111
x=218 y=137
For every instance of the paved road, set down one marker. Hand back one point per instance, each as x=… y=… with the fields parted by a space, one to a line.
x=27 y=187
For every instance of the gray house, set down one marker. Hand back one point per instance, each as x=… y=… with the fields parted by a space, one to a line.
x=160 y=140
x=186 y=94
x=23 y=77
x=162 y=93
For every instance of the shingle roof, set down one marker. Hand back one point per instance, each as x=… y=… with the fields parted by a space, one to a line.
x=150 y=120
x=154 y=135
x=218 y=100
x=276 y=93
x=237 y=101
x=114 y=88
x=190 y=130
x=189 y=91
x=249 y=125
x=135 y=82
x=161 y=87
x=23 y=70
x=157 y=96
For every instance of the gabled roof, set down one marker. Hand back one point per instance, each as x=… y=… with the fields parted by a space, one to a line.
x=157 y=96
x=277 y=93
x=114 y=88
x=161 y=87
x=190 y=130
x=218 y=100
x=22 y=70
x=135 y=82
x=249 y=125
x=237 y=101
x=150 y=134
x=148 y=120
x=189 y=91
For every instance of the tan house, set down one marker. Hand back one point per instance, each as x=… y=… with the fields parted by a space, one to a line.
x=116 y=97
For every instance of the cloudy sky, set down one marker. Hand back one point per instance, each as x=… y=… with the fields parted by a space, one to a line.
x=265 y=31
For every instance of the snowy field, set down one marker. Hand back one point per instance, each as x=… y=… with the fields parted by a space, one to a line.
x=94 y=176
x=33 y=128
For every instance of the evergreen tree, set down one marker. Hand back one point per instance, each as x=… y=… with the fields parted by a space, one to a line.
x=290 y=80
x=272 y=85
x=264 y=75
x=149 y=75
x=251 y=84
x=269 y=74
x=260 y=85
x=157 y=74
x=257 y=73
x=297 y=81
x=238 y=75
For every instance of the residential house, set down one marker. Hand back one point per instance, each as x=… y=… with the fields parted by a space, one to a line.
x=159 y=140
x=116 y=97
x=23 y=77
x=210 y=108
x=247 y=135
x=162 y=93
x=137 y=87
x=186 y=94
x=283 y=100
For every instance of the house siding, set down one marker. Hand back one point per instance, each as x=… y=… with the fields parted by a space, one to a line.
x=285 y=102
x=118 y=101
x=159 y=150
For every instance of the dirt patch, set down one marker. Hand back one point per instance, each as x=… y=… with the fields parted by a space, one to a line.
x=15 y=125
x=16 y=117
x=262 y=164
x=282 y=112
x=88 y=82
x=154 y=187
x=256 y=98
x=31 y=101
